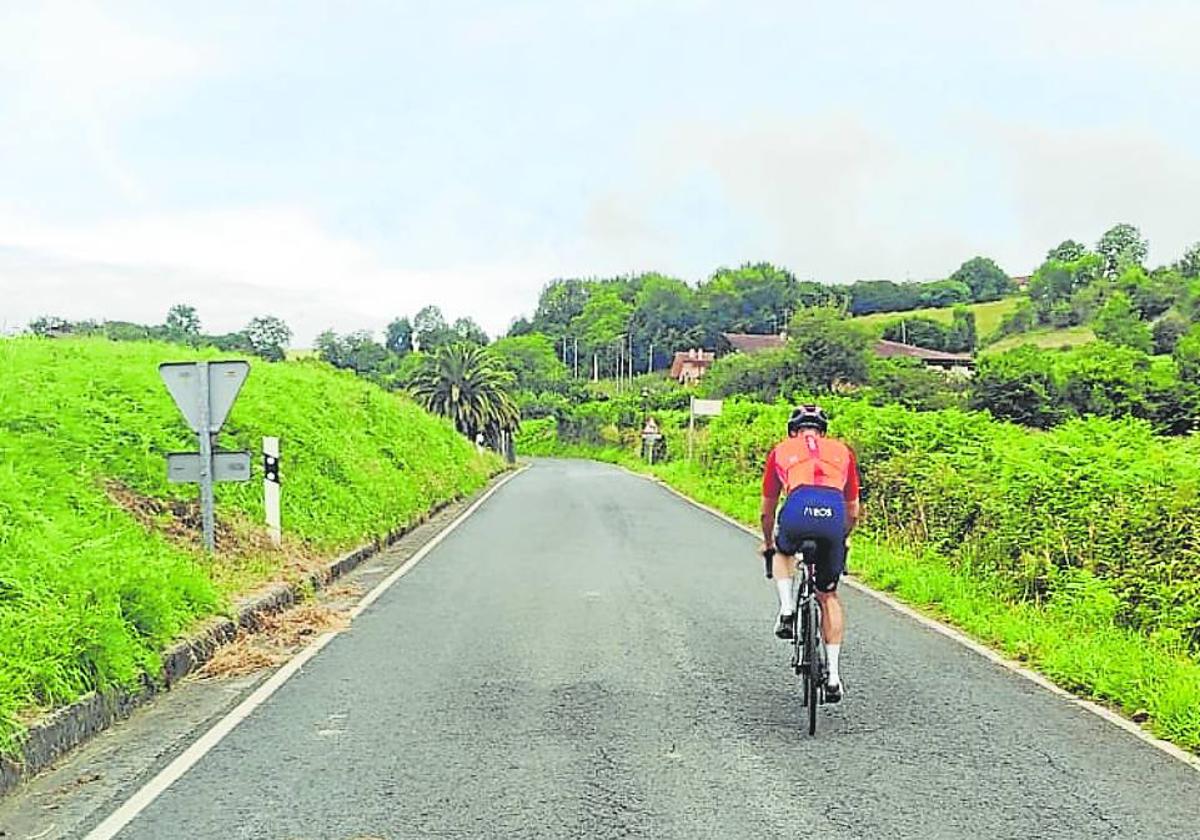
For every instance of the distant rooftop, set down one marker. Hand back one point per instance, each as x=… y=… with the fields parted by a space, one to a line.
x=890 y=349
x=753 y=343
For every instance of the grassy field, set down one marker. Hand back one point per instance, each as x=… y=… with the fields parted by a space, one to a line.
x=987 y=315
x=1050 y=339
x=99 y=560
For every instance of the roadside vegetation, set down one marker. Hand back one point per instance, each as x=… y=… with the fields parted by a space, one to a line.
x=99 y=561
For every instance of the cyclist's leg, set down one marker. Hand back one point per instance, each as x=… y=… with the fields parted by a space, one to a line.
x=831 y=562
x=783 y=569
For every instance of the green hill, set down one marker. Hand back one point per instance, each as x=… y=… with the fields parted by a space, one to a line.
x=99 y=560
x=987 y=315
x=1049 y=339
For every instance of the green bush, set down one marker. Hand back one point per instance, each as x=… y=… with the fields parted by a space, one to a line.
x=1040 y=388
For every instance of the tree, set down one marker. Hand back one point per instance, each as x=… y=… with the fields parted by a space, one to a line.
x=754 y=298
x=466 y=330
x=356 y=351
x=430 y=329
x=867 y=296
x=985 y=279
x=559 y=304
x=1117 y=323
x=399 y=336
x=269 y=338
x=1189 y=263
x=941 y=293
x=1187 y=356
x=468 y=385
x=1066 y=251
x=602 y=325
x=183 y=322
x=829 y=349
x=1167 y=331
x=533 y=361
x=962 y=336
x=521 y=326
x=1121 y=246
x=666 y=317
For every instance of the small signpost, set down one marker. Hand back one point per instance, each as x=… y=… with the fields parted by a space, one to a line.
x=204 y=392
x=700 y=408
x=271 y=489
x=650 y=436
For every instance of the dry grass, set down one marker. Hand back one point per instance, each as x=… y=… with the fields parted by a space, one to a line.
x=279 y=637
x=245 y=559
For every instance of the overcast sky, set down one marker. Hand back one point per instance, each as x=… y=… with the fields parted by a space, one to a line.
x=341 y=163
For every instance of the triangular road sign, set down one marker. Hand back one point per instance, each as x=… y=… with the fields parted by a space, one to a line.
x=225 y=380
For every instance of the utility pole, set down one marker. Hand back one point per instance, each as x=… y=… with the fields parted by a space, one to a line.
x=576 y=357
x=650 y=360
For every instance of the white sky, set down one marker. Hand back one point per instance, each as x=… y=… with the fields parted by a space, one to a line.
x=338 y=164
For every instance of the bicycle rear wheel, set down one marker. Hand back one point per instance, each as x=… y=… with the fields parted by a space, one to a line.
x=812 y=674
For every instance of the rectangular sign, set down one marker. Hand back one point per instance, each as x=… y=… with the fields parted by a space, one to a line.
x=706 y=408
x=184 y=467
x=225 y=380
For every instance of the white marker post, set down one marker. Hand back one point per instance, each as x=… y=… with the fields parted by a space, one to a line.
x=271 y=489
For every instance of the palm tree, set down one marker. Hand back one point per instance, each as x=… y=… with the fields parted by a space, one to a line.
x=467 y=384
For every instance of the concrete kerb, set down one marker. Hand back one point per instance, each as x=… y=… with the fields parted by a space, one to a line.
x=1100 y=711
x=64 y=729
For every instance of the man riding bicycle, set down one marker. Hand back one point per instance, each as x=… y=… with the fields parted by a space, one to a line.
x=819 y=477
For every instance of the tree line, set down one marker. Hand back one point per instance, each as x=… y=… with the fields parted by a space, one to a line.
x=265 y=336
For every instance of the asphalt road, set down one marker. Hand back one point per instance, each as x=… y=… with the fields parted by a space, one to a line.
x=589 y=656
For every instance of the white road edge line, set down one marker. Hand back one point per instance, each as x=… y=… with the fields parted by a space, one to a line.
x=118 y=819
x=960 y=637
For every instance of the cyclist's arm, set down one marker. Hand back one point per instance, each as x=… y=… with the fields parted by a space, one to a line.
x=771 y=488
x=853 y=504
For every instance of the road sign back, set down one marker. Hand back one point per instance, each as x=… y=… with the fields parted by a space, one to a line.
x=184 y=467
x=224 y=382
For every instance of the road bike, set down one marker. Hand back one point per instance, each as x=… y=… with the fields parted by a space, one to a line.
x=809 y=661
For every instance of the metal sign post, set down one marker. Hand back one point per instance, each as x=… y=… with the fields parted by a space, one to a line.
x=204 y=392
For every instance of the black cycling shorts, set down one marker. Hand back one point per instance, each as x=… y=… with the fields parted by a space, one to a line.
x=817 y=514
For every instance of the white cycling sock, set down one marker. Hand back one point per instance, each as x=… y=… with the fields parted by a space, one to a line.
x=787 y=605
x=832 y=652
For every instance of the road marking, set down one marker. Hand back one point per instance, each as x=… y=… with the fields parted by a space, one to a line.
x=170 y=774
x=1107 y=714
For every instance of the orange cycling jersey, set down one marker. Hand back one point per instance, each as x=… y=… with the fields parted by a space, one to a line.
x=809 y=460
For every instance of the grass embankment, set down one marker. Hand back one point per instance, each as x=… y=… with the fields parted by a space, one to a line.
x=99 y=560
x=1076 y=551
x=987 y=315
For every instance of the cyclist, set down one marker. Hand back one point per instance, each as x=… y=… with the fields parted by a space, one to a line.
x=819 y=477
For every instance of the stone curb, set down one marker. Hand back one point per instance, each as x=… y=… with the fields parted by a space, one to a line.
x=67 y=728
